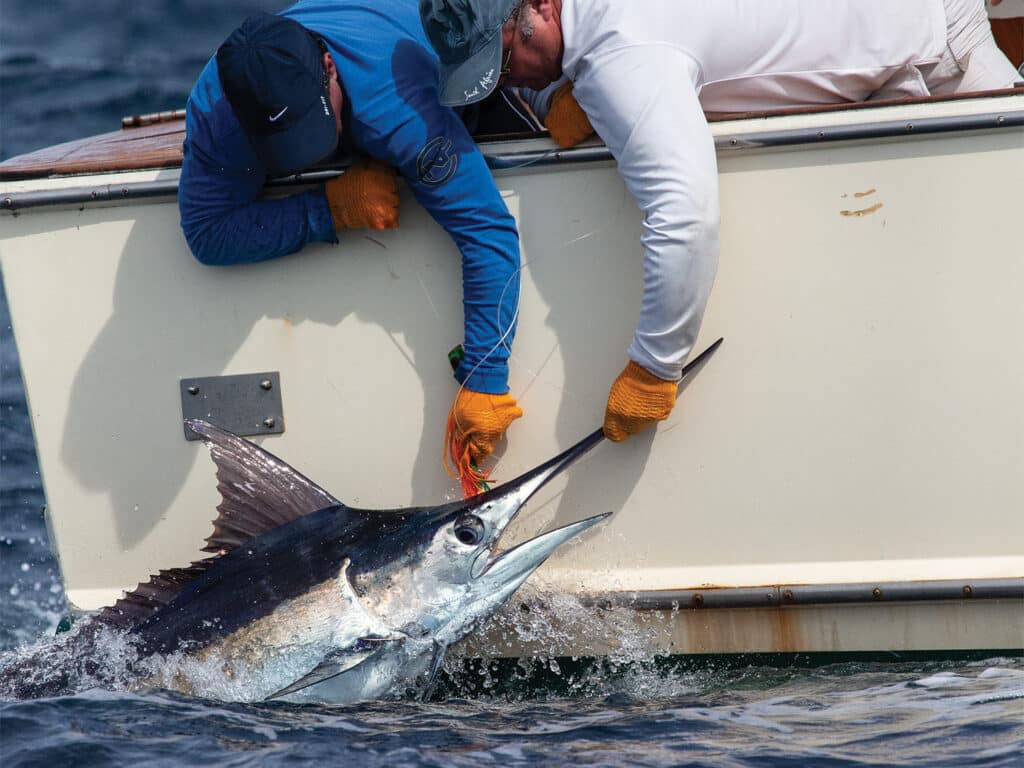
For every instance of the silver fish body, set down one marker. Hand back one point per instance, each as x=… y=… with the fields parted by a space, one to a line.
x=304 y=597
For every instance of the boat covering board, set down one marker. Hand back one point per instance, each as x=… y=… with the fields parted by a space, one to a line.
x=146 y=147
x=158 y=145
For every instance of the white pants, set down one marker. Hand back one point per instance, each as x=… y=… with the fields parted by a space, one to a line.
x=972 y=61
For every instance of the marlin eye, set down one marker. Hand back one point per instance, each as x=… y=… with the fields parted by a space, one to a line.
x=469 y=530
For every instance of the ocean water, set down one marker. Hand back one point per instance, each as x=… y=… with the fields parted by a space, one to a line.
x=69 y=69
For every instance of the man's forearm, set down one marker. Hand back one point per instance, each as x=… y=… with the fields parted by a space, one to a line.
x=220 y=234
x=490 y=300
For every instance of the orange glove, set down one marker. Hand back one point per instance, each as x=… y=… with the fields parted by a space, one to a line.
x=364 y=197
x=637 y=399
x=481 y=420
x=567 y=122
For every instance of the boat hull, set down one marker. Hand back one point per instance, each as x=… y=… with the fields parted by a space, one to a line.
x=861 y=428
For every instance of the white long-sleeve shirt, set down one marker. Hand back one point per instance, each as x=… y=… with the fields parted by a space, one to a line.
x=645 y=71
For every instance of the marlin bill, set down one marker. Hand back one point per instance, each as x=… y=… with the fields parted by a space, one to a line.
x=303 y=596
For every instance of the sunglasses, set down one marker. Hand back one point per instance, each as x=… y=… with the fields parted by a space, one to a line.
x=507 y=59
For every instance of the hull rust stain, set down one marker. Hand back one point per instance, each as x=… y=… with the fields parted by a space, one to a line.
x=861 y=211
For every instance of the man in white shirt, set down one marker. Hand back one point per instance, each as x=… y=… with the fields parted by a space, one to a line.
x=643 y=73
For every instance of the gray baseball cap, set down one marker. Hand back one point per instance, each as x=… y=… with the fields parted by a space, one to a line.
x=467 y=37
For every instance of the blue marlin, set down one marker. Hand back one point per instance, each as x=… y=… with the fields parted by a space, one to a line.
x=304 y=596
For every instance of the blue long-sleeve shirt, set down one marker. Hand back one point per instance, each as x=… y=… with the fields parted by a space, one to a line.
x=389 y=75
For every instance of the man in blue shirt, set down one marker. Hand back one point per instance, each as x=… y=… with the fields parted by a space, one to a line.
x=280 y=93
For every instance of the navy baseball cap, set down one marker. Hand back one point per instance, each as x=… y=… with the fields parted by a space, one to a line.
x=271 y=70
x=467 y=37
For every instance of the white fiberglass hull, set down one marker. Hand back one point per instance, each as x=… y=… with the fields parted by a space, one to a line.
x=860 y=432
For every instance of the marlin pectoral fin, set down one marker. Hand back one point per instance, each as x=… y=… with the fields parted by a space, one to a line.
x=338 y=662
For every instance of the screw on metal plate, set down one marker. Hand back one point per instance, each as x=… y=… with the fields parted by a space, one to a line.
x=245 y=404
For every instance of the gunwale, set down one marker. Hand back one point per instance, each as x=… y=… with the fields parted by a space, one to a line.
x=154 y=142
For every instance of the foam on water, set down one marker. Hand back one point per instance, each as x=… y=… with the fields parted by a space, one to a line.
x=851 y=715
x=86 y=657
x=90 y=656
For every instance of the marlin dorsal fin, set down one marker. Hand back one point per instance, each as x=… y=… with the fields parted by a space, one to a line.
x=259 y=492
x=150 y=596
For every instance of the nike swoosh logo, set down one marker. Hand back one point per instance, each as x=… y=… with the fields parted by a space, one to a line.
x=275 y=118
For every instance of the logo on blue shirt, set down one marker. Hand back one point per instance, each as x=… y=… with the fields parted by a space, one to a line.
x=436 y=162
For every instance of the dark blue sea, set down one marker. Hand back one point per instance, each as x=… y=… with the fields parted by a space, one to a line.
x=70 y=68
